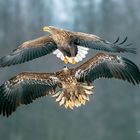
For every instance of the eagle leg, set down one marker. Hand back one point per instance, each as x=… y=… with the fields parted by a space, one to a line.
x=73 y=60
x=66 y=60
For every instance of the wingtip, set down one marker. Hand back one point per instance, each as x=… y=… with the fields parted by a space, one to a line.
x=122 y=47
x=4 y=102
x=118 y=38
x=131 y=50
x=123 y=41
x=133 y=70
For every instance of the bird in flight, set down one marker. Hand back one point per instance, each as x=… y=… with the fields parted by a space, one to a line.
x=71 y=87
x=71 y=47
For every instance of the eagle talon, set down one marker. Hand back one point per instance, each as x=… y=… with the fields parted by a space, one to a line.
x=66 y=60
x=73 y=60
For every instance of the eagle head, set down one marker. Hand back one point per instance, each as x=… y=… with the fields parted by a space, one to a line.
x=65 y=68
x=50 y=29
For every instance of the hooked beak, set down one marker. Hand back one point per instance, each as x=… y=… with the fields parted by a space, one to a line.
x=46 y=29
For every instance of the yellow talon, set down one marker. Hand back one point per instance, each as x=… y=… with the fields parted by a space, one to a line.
x=66 y=60
x=73 y=60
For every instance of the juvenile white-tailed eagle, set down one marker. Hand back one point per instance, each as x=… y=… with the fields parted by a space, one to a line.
x=69 y=46
x=71 y=87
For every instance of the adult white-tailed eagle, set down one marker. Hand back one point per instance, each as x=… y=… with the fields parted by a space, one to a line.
x=69 y=46
x=71 y=87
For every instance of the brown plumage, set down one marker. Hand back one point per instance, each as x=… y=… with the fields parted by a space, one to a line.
x=69 y=46
x=71 y=87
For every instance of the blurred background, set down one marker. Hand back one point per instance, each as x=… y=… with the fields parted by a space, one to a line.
x=114 y=110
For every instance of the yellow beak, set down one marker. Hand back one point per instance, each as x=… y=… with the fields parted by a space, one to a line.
x=46 y=29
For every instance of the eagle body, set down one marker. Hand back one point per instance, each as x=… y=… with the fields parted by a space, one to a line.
x=67 y=49
x=74 y=93
x=71 y=87
x=69 y=46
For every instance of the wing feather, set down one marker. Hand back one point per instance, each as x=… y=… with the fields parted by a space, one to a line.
x=24 y=88
x=95 y=42
x=108 y=66
x=29 y=50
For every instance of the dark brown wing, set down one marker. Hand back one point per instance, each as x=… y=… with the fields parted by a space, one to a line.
x=29 y=50
x=108 y=66
x=95 y=42
x=24 y=88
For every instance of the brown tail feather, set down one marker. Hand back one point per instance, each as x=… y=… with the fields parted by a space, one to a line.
x=75 y=98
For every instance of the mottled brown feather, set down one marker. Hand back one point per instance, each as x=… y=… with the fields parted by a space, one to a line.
x=108 y=66
x=24 y=88
x=29 y=50
x=38 y=42
x=94 y=42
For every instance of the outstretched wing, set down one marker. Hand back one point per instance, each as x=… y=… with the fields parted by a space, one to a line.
x=95 y=42
x=29 y=50
x=108 y=66
x=24 y=88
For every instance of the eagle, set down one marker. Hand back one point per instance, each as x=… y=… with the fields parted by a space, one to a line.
x=71 y=47
x=71 y=87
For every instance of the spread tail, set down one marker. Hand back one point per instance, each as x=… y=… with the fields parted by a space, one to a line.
x=75 y=98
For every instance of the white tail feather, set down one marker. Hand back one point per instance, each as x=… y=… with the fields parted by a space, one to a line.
x=82 y=52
